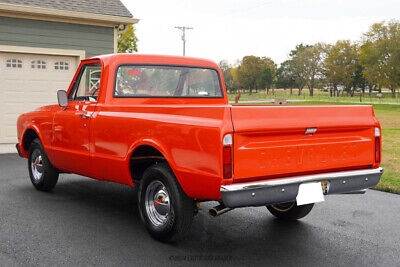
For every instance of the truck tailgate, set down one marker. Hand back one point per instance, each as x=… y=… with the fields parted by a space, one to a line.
x=271 y=141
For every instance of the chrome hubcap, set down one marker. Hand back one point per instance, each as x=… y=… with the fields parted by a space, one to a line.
x=37 y=165
x=157 y=203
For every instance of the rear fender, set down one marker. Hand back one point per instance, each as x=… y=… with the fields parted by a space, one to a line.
x=156 y=145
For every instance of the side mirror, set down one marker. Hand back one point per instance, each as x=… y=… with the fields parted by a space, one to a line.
x=62 y=99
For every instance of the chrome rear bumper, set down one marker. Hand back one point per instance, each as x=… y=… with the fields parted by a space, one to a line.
x=281 y=190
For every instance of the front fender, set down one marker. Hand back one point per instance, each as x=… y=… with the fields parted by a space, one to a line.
x=30 y=126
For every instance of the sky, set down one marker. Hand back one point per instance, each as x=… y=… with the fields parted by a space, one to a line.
x=231 y=29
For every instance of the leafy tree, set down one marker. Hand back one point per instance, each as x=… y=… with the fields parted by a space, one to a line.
x=256 y=72
x=226 y=73
x=268 y=73
x=248 y=72
x=341 y=65
x=285 y=76
x=266 y=79
x=297 y=64
x=371 y=70
x=127 y=41
x=234 y=71
x=311 y=59
x=380 y=55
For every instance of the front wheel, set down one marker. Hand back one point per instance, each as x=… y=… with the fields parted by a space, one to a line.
x=290 y=211
x=165 y=209
x=43 y=175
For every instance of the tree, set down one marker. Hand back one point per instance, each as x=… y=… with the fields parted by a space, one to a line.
x=380 y=55
x=234 y=71
x=268 y=73
x=226 y=73
x=256 y=72
x=341 y=65
x=266 y=79
x=371 y=71
x=359 y=80
x=297 y=65
x=285 y=76
x=311 y=59
x=248 y=72
x=127 y=41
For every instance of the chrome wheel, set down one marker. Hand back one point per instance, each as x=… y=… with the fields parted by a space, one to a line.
x=37 y=165
x=157 y=203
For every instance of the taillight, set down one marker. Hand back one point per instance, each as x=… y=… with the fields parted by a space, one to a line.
x=377 y=145
x=227 y=156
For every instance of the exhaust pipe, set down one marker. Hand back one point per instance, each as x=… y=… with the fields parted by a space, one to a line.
x=218 y=210
x=356 y=192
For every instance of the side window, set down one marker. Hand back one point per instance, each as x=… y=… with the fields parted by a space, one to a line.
x=87 y=84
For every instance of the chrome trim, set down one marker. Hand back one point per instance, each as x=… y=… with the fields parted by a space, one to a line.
x=157 y=203
x=37 y=165
x=299 y=179
x=84 y=115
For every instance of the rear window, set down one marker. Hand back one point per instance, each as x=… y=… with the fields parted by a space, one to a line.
x=166 y=81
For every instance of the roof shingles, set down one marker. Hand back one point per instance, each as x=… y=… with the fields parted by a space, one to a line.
x=103 y=7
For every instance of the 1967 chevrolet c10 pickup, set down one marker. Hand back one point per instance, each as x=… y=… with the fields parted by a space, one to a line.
x=164 y=124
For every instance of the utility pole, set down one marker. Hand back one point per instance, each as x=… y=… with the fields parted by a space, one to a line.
x=183 y=29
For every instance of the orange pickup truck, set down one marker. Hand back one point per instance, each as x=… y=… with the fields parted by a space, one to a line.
x=164 y=124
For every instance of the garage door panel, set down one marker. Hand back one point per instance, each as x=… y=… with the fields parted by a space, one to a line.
x=10 y=133
x=32 y=84
x=40 y=86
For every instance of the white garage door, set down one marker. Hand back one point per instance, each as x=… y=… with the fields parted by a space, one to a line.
x=28 y=81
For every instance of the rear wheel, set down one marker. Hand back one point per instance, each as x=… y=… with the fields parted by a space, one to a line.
x=43 y=175
x=290 y=211
x=165 y=209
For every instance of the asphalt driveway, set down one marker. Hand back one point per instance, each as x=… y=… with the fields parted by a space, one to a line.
x=87 y=222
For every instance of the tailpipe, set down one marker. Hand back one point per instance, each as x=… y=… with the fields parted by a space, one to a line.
x=356 y=192
x=218 y=210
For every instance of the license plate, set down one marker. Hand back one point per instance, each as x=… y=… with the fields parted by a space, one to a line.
x=309 y=193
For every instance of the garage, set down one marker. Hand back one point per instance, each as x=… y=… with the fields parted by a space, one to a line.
x=41 y=45
x=28 y=81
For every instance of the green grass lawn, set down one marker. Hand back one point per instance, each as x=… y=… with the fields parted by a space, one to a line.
x=319 y=95
x=389 y=117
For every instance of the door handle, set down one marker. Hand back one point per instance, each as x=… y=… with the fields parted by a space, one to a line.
x=84 y=115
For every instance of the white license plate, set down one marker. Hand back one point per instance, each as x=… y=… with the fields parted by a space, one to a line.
x=309 y=193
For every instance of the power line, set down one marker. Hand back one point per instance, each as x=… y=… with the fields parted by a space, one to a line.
x=183 y=29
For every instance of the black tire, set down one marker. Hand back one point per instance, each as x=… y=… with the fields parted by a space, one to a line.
x=178 y=219
x=48 y=174
x=290 y=211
